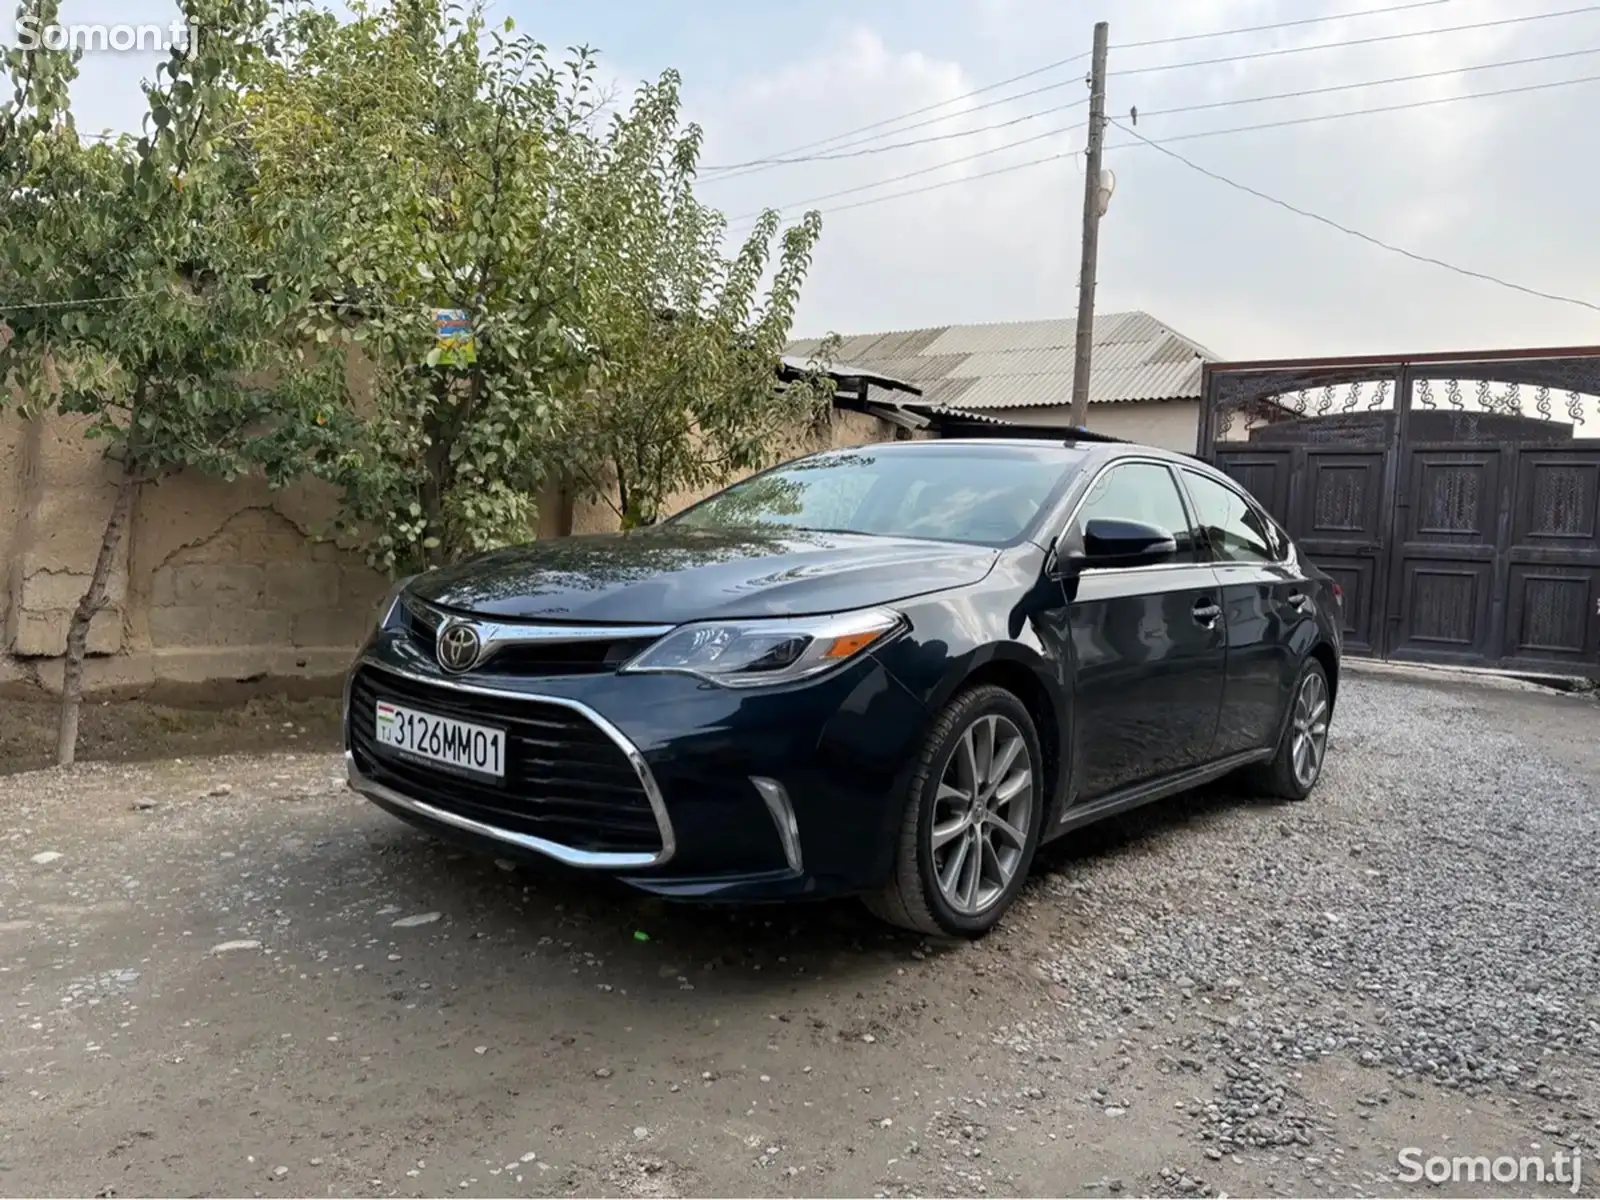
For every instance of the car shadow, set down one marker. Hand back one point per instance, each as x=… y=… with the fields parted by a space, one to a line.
x=514 y=923
x=642 y=943
x=1125 y=832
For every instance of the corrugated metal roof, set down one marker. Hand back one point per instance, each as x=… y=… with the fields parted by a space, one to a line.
x=1028 y=364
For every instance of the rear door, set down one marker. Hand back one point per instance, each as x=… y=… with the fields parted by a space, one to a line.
x=1268 y=603
x=1147 y=642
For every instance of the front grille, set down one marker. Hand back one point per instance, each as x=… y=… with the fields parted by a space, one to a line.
x=583 y=656
x=421 y=623
x=566 y=780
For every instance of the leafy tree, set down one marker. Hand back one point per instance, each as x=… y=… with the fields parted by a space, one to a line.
x=461 y=169
x=141 y=296
x=437 y=151
x=40 y=80
x=686 y=390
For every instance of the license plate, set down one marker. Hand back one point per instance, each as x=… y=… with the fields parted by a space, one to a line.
x=442 y=740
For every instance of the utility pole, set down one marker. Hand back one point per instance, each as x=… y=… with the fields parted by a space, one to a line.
x=1093 y=202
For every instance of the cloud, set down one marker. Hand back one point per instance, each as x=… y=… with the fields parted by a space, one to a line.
x=1493 y=185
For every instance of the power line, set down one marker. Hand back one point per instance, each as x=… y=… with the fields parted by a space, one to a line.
x=925 y=141
x=1368 y=41
x=35 y=305
x=865 y=187
x=1355 y=233
x=724 y=171
x=943 y=183
x=1347 y=87
x=756 y=166
x=1364 y=112
x=1163 y=112
x=1198 y=37
x=1141 y=141
x=1307 y=120
x=1063 y=62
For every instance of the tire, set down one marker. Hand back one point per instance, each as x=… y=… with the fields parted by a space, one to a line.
x=914 y=898
x=1279 y=779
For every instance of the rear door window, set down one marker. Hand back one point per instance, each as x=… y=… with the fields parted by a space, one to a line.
x=1234 y=529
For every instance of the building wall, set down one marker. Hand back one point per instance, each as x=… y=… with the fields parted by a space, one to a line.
x=1170 y=424
x=215 y=581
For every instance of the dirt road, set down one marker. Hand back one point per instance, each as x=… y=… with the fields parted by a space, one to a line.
x=232 y=977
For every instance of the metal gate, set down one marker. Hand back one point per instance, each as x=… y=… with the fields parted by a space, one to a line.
x=1455 y=498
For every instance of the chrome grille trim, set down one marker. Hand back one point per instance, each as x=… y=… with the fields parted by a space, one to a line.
x=496 y=635
x=571 y=855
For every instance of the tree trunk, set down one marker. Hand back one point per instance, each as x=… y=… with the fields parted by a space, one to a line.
x=91 y=603
x=626 y=515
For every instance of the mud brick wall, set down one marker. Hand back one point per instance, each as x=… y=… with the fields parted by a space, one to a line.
x=256 y=582
x=215 y=581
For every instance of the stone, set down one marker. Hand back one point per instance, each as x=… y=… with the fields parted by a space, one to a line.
x=43 y=590
x=44 y=634
x=411 y=922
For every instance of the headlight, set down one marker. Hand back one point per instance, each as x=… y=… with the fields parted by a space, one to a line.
x=386 y=611
x=758 y=653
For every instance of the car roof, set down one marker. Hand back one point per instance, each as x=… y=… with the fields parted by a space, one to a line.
x=1088 y=452
x=1102 y=446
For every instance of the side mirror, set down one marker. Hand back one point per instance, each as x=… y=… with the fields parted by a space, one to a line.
x=1108 y=543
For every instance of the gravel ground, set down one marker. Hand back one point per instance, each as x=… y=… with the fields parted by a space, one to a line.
x=1433 y=918
x=228 y=976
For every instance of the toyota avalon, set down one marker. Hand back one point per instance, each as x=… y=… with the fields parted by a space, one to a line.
x=892 y=671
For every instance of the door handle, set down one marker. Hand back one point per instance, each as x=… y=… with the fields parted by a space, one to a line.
x=1207 y=613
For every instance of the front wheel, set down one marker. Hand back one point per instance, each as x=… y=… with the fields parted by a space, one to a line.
x=1294 y=771
x=972 y=819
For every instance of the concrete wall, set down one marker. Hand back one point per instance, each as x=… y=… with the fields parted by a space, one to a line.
x=1170 y=424
x=215 y=581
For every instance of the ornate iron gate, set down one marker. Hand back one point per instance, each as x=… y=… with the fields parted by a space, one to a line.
x=1454 y=497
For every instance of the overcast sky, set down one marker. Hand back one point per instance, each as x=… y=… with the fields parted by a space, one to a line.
x=1508 y=185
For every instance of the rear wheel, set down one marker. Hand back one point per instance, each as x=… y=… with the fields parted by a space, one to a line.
x=972 y=818
x=1295 y=769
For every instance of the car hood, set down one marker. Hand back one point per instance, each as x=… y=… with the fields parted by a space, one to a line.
x=667 y=575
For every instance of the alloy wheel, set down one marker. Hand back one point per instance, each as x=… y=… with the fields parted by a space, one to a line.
x=1309 y=736
x=982 y=815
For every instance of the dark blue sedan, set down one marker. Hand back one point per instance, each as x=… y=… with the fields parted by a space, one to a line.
x=892 y=671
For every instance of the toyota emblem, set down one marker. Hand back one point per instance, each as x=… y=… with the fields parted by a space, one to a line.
x=458 y=647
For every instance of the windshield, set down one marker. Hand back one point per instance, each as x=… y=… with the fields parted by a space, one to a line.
x=979 y=494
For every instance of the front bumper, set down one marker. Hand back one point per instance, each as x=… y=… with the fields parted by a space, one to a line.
x=761 y=794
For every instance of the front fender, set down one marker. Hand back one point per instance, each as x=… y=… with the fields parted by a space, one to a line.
x=970 y=636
